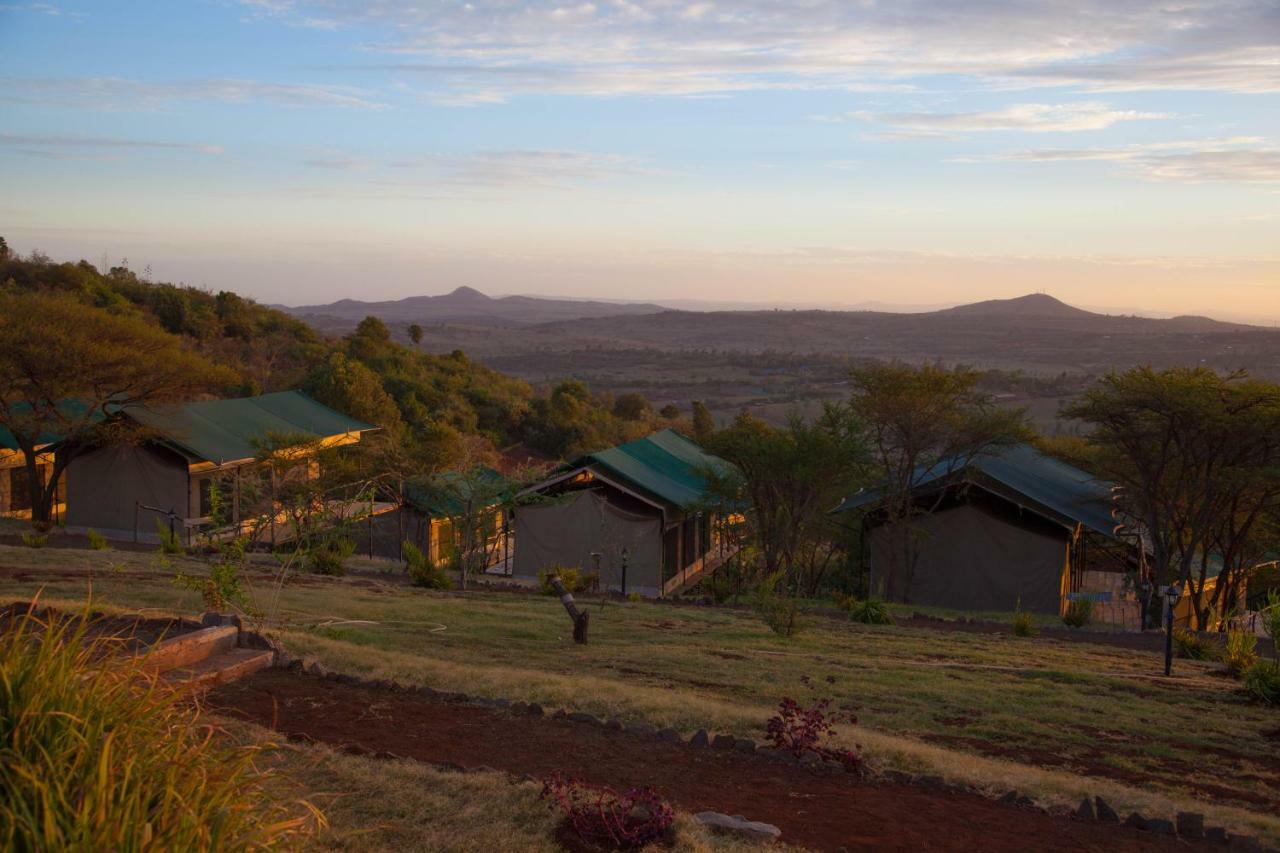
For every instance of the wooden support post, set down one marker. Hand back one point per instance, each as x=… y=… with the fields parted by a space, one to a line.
x=579 y=618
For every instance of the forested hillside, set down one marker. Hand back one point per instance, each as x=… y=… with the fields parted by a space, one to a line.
x=430 y=405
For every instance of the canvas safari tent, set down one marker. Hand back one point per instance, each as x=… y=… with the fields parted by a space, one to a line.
x=1012 y=526
x=641 y=505
x=117 y=489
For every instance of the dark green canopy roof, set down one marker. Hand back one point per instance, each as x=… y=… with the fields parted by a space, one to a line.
x=446 y=494
x=1020 y=473
x=666 y=465
x=223 y=431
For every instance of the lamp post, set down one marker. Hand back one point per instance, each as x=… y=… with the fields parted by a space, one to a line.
x=625 y=554
x=1171 y=593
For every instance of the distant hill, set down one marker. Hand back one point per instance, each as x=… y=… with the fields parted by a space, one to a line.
x=467 y=306
x=1031 y=305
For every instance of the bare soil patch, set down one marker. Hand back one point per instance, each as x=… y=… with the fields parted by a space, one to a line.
x=818 y=810
x=131 y=632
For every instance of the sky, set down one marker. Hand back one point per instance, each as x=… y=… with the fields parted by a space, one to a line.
x=1119 y=154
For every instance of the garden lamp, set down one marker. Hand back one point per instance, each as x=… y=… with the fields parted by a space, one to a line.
x=1171 y=594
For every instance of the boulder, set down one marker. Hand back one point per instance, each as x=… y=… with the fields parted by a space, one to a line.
x=1105 y=812
x=746 y=745
x=642 y=729
x=723 y=742
x=738 y=825
x=1216 y=834
x=1190 y=825
x=670 y=734
x=583 y=717
x=1136 y=821
x=1086 y=810
x=1160 y=825
x=700 y=739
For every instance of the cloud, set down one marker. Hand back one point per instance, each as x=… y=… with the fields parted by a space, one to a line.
x=1245 y=159
x=1031 y=118
x=116 y=93
x=93 y=148
x=491 y=50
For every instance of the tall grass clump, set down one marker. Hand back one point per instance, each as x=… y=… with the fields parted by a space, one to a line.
x=1240 y=652
x=423 y=572
x=95 y=755
x=1024 y=624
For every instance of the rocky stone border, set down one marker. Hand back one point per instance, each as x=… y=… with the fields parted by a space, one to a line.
x=1186 y=825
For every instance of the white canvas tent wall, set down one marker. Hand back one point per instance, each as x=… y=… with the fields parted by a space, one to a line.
x=567 y=531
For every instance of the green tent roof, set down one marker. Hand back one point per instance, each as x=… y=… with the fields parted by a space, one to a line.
x=443 y=495
x=1049 y=486
x=223 y=431
x=666 y=465
x=70 y=409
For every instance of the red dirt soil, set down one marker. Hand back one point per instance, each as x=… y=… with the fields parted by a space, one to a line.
x=815 y=809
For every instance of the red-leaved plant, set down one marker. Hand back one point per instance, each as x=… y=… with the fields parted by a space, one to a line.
x=800 y=730
x=606 y=820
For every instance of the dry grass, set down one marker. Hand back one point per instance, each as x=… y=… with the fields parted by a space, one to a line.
x=1075 y=718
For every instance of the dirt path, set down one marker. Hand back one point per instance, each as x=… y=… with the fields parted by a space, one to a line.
x=821 y=811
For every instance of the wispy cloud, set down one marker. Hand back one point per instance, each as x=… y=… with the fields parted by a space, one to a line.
x=1030 y=118
x=116 y=93
x=1244 y=159
x=93 y=147
x=490 y=50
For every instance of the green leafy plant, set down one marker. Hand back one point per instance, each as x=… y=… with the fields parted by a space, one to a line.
x=1269 y=618
x=634 y=596
x=1193 y=646
x=1262 y=682
x=328 y=556
x=1240 y=652
x=170 y=540
x=35 y=540
x=571 y=578
x=1024 y=623
x=101 y=756
x=869 y=611
x=97 y=541
x=421 y=570
x=1078 y=613
x=223 y=587
x=778 y=610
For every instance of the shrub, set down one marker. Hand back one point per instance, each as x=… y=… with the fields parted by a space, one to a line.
x=1269 y=616
x=634 y=596
x=103 y=757
x=869 y=611
x=1024 y=624
x=1078 y=613
x=97 y=541
x=1262 y=682
x=779 y=611
x=421 y=570
x=327 y=557
x=1240 y=652
x=606 y=820
x=170 y=540
x=799 y=730
x=1193 y=646
x=571 y=578
x=35 y=540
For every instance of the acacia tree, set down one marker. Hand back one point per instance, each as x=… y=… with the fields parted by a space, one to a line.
x=415 y=333
x=791 y=477
x=64 y=366
x=1197 y=456
x=918 y=419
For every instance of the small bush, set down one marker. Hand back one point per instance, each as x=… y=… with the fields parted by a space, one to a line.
x=778 y=610
x=868 y=611
x=421 y=571
x=1262 y=682
x=603 y=819
x=170 y=540
x=1024 y=624
x=327 y=557
x=571 y=578
x=35 y=540
x=1193 y=646
x=1240 y=653
x=102 y=757
x=97 y=541
x=799 y=730
x=634 y=596
x=1078 y=613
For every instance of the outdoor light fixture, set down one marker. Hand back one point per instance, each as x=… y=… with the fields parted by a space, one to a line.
x=1171 y=594
x=625 y=554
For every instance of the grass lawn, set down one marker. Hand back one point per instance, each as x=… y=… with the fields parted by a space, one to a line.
x=1051 y=718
